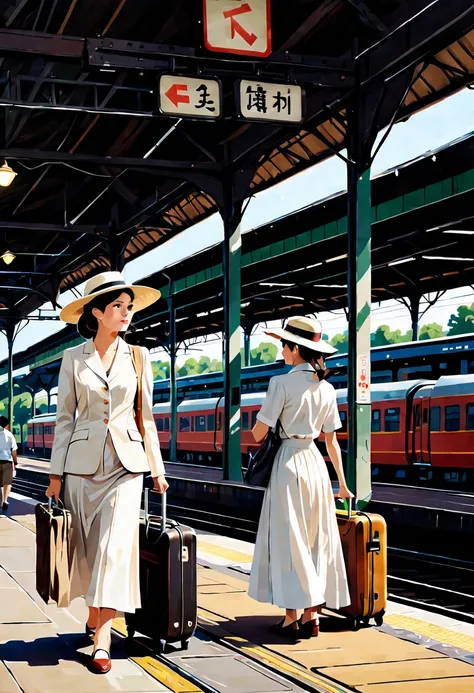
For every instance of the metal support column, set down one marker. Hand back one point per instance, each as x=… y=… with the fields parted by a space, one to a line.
x=173 y=386
x=48 y=392
x=10 y=335
x=415 y=315
x=232 y=217
x=359 y=303
x=247 y=333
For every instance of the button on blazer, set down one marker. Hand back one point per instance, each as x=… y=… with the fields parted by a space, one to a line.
x=92 y=404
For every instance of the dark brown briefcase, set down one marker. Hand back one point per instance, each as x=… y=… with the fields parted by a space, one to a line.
x=168 y=582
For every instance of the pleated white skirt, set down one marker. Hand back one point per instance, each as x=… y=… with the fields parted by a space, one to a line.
x=298 y=560
x=105 y=510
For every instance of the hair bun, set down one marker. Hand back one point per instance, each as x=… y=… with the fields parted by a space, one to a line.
x=83 y=328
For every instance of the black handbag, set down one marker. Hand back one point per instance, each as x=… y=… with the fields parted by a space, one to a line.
x=261 y=462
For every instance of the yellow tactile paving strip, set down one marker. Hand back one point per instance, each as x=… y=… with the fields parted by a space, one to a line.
x=443 y=635
x=159 y=671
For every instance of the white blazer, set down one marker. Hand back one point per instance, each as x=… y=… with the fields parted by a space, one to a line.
x=92 y=404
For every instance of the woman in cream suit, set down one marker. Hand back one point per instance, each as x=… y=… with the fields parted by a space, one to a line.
x=298 y=561
x=99 y=452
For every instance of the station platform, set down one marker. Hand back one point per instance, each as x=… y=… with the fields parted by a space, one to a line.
x=44 y=649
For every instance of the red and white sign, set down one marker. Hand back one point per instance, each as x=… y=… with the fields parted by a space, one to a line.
x=190 y=96
x=238 y=26
x=363 y=379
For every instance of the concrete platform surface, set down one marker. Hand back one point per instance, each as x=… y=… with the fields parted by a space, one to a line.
x=42 y=648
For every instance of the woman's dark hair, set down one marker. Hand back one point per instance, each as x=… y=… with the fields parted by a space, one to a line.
x=311 y=357
x=88 y=325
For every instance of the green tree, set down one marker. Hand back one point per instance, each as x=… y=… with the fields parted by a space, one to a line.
x=463 y=322
x=431 y=331
x=161 y=370
x=339 y=342
x=21 y=413
x=266 y=352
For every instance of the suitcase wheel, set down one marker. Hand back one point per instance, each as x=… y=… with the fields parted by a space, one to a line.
x=378 y=618
x=184 y=644
x=159 y=646
x=354 y=624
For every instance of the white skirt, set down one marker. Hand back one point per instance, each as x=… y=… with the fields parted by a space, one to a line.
x=298 y=560
x=105 y=510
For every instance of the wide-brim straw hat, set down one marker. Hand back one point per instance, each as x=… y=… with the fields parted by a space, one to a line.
x=304 y=331
x=105 y=283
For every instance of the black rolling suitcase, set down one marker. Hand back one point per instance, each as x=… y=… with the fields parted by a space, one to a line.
x=168 y=582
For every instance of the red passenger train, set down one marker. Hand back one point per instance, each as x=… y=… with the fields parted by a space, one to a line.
x=421 y=429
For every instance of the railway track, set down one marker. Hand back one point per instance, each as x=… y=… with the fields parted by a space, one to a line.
x=428 y=581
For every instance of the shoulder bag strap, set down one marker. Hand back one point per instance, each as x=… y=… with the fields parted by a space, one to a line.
x=138 y=365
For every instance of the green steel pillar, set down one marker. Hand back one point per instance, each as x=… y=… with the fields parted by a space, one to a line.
x=10 y=334
x=359 y=303
x=232 y=216
x=247 y=332
x=173 y=385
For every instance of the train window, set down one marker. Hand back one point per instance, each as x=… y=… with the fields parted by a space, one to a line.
x=167 y=423
x=452 y=417
x=159 y=424
x=435 y=419
x=343 y=417
x=376 y=421
x=392 y=419
x=470 y=417
x=200 y=423
x=425 y=416
x=211 y=422
x=254 y=417
x=245 y=421
x=184 y=424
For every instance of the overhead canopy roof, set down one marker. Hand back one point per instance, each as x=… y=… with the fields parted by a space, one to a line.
x=434 y=192
x=298 y=264
x=61 y=221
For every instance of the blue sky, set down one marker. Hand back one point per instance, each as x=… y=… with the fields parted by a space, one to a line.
x=427 y=130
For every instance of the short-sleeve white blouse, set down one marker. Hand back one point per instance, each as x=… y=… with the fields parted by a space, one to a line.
x=304 y=405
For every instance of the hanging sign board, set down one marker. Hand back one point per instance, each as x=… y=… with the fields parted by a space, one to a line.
x=238 y=26
x=190 y=96
x=281 y=103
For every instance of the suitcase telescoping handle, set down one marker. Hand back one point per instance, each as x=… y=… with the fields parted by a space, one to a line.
x=146 y=506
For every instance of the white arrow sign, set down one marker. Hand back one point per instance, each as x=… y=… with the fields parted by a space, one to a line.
x=238 y=26
x=190 y=96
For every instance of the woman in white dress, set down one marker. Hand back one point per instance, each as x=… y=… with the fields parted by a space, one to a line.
x=298 y=561
x=102 y=455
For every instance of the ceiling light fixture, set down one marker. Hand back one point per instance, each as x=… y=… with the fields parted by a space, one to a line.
x=460 y=232
x=401 y=262
x=8 y=257
x=7 y=175
x=440 y=257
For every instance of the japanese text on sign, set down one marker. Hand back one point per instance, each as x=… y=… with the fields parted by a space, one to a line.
x=363 y=379
x=190 y=96
x=238 y=26
x=266 y=101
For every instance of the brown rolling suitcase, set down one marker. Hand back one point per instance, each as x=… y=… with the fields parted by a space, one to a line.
x=168 y=581
x=53 y=538
x=364 y=543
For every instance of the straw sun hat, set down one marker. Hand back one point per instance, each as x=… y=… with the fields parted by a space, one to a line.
x=105 y=283
x=306 y=332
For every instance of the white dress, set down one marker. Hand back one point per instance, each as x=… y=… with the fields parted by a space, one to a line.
x=298 y=560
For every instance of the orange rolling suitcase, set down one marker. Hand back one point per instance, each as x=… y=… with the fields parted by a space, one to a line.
x=364 y=543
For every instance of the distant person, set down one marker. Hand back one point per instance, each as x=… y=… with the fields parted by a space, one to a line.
x=8 y=460
x=100 y=452
x=298 y=561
